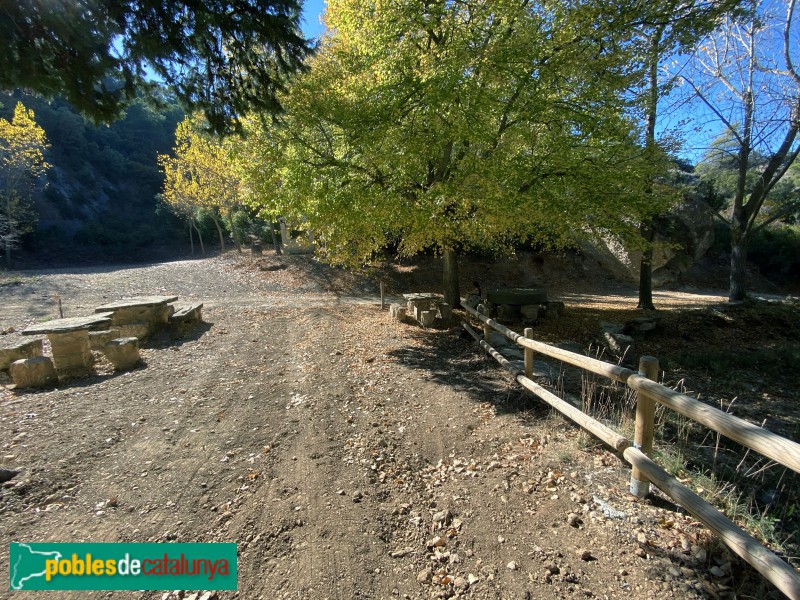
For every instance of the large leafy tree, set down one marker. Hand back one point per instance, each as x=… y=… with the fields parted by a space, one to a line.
x=222 y=57
x=22 y=162
x=201 y=175
x=747 y=76
x=445 y=126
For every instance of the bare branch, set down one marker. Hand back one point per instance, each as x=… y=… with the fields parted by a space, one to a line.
x=786 y=46
x=714 y=109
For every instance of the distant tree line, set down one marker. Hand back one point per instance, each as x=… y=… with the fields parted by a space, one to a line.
x=96 y=201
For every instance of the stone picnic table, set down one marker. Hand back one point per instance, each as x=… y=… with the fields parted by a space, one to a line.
x=141 y=315
x=69 y=339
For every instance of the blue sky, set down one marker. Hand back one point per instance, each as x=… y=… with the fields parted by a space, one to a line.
x=312 y=13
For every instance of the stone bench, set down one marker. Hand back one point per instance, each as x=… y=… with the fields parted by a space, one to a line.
x=422 y=307
x=98 y=339
x=528 y=305
x=33 y=372
x=128 y=315
x=123 y=353
x=187 y=314
x=17 y=349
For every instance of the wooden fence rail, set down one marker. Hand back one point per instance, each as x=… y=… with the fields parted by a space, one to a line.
x=781 y=450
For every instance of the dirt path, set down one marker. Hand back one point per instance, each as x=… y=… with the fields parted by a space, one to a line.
x=348 y=455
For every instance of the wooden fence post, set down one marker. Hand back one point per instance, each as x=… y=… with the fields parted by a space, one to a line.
x=487 y=330
x=643 y=435
x=528 y=354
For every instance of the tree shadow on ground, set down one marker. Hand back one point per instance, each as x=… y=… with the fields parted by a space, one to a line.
x=450 y=357
x=177 y=335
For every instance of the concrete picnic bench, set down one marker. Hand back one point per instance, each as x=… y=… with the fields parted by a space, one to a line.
x=425 y=308
x=69 y=340
x=138 y=317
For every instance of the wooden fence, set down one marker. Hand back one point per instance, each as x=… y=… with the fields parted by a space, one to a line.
x=635 y=452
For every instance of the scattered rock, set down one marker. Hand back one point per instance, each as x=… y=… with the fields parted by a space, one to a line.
x=443 y=516
x=8 y=474
x=425 y=575
x=585 y=555
x=716 y=571
x=461 y=583
x=512 y=566
x=552 y=568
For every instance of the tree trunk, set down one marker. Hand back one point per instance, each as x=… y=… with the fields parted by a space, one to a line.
x=199 y=237
x=191 y=237
x=452 y=293
x=9 y=239
x=646 y=271
x=219 y=231
x=235 y=232
x=276 y=242
x=738 y=278
x=646 y=264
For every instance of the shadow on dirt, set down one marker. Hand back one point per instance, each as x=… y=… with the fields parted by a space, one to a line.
x=452 y=358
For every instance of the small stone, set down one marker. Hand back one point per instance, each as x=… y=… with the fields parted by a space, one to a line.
x=461 y=583
x=8 y=474
x=424 y=576
x=512 y=566
x=716 y=571
x=699 y=553
x=443 y=516
x=472 y=579
x=501 y=539
x=552 y=568
x=641 y=537
x=436 y=542
x=573 y=519
x=585 y=555
x=640 y=552
x=357 y=496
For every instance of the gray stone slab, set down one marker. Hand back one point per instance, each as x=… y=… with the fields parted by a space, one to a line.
x=422 y=296
x=141 y=301
x=516 y=296
x=68 y=325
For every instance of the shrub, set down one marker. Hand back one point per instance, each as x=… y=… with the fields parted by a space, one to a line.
x=775 y=250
